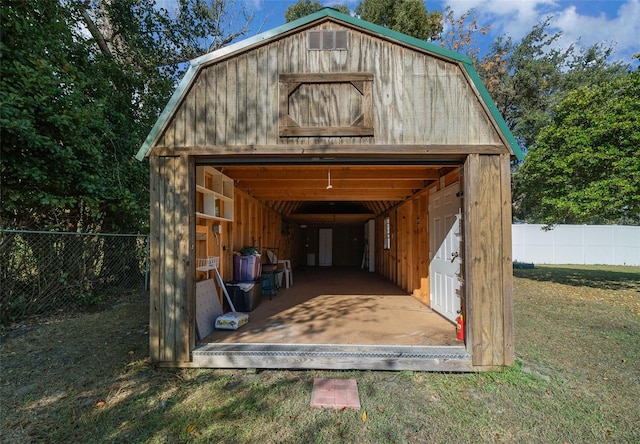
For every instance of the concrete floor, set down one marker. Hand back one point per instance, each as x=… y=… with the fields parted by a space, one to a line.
x=341 y=306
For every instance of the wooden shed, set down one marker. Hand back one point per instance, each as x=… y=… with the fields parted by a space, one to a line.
x=376 y=164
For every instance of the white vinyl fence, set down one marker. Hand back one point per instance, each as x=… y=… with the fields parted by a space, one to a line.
x=577 y=244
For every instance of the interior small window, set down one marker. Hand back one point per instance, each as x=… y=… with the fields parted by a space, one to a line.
x=387 y=233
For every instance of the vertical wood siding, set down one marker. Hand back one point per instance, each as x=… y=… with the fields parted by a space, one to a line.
x=417 y=98
x=488 y=268
x=171 y=331
x=258 y=225
x=406 y=263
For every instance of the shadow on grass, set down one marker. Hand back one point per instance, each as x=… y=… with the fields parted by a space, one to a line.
x=604 y=277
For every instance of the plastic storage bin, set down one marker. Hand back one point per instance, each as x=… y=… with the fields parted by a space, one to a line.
x=244 y=299
x=271 y=282
x=246 y=268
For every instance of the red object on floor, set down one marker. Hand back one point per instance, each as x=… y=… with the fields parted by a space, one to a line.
x=460 y=327
x=335 y=393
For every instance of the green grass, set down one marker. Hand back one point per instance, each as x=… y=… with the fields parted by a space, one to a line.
x=576 y=380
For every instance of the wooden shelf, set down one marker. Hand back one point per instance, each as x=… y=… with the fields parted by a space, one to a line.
x=214 y=194
x=209 y=216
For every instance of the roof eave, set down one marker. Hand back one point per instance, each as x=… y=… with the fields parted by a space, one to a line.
x=503 y=128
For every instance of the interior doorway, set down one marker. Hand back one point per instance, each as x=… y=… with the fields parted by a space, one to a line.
x=445 y=252
x=325 y=247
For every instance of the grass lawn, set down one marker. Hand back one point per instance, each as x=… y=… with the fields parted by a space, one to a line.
x=86 y=378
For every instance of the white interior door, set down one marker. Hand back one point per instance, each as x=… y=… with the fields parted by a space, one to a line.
x=444 y=247
x=325 y=243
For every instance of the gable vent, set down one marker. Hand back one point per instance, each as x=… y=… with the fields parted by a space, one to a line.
x=328 y=40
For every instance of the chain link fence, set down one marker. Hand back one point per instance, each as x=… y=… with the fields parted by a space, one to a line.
x=42 y=272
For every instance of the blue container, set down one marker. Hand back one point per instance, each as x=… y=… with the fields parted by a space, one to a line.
x=271 y=282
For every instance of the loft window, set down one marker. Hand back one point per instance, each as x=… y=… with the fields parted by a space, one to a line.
x=328 y=40
x=326 y=105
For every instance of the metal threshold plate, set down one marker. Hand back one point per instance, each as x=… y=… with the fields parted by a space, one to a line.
x=355 y=351
x=332 y=356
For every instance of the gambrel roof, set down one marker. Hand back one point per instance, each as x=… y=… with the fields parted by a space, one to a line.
x=462 y=62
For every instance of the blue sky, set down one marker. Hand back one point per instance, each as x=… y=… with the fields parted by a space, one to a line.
x=582 y=22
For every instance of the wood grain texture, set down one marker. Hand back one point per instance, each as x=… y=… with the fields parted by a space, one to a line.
x=242 y=82
x=488 y=291
x=156 y=312
x=209 y=99
x=415 y=98
x=171 y=328
x=448 y=152
x=471 y=172
x=507 y=262
x=219 y=119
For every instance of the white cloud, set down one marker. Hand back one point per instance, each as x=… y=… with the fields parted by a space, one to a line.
x=516 y=18
x=621 y=31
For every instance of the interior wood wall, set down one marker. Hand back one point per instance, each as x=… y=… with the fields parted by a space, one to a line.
x=255 y=224
x=416 y=98
x=406 y=263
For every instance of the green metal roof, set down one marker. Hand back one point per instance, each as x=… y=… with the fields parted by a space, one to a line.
x=323 y=13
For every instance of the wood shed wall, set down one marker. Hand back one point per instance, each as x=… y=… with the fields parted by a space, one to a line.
x=488 y=265
x=416 y=98
x=172 y=287
x=234 y=106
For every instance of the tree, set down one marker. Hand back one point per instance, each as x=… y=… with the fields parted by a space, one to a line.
x=526 y=79
x=81 y=83
x=138 y=33
x=52 y=120
x=460 y=32
x=407 y=16
x=585 y=165
x=305 y=7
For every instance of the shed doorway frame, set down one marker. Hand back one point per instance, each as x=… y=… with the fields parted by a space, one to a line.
x=330 y=356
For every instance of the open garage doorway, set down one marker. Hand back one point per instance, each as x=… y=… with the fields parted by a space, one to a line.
x=335 y=300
